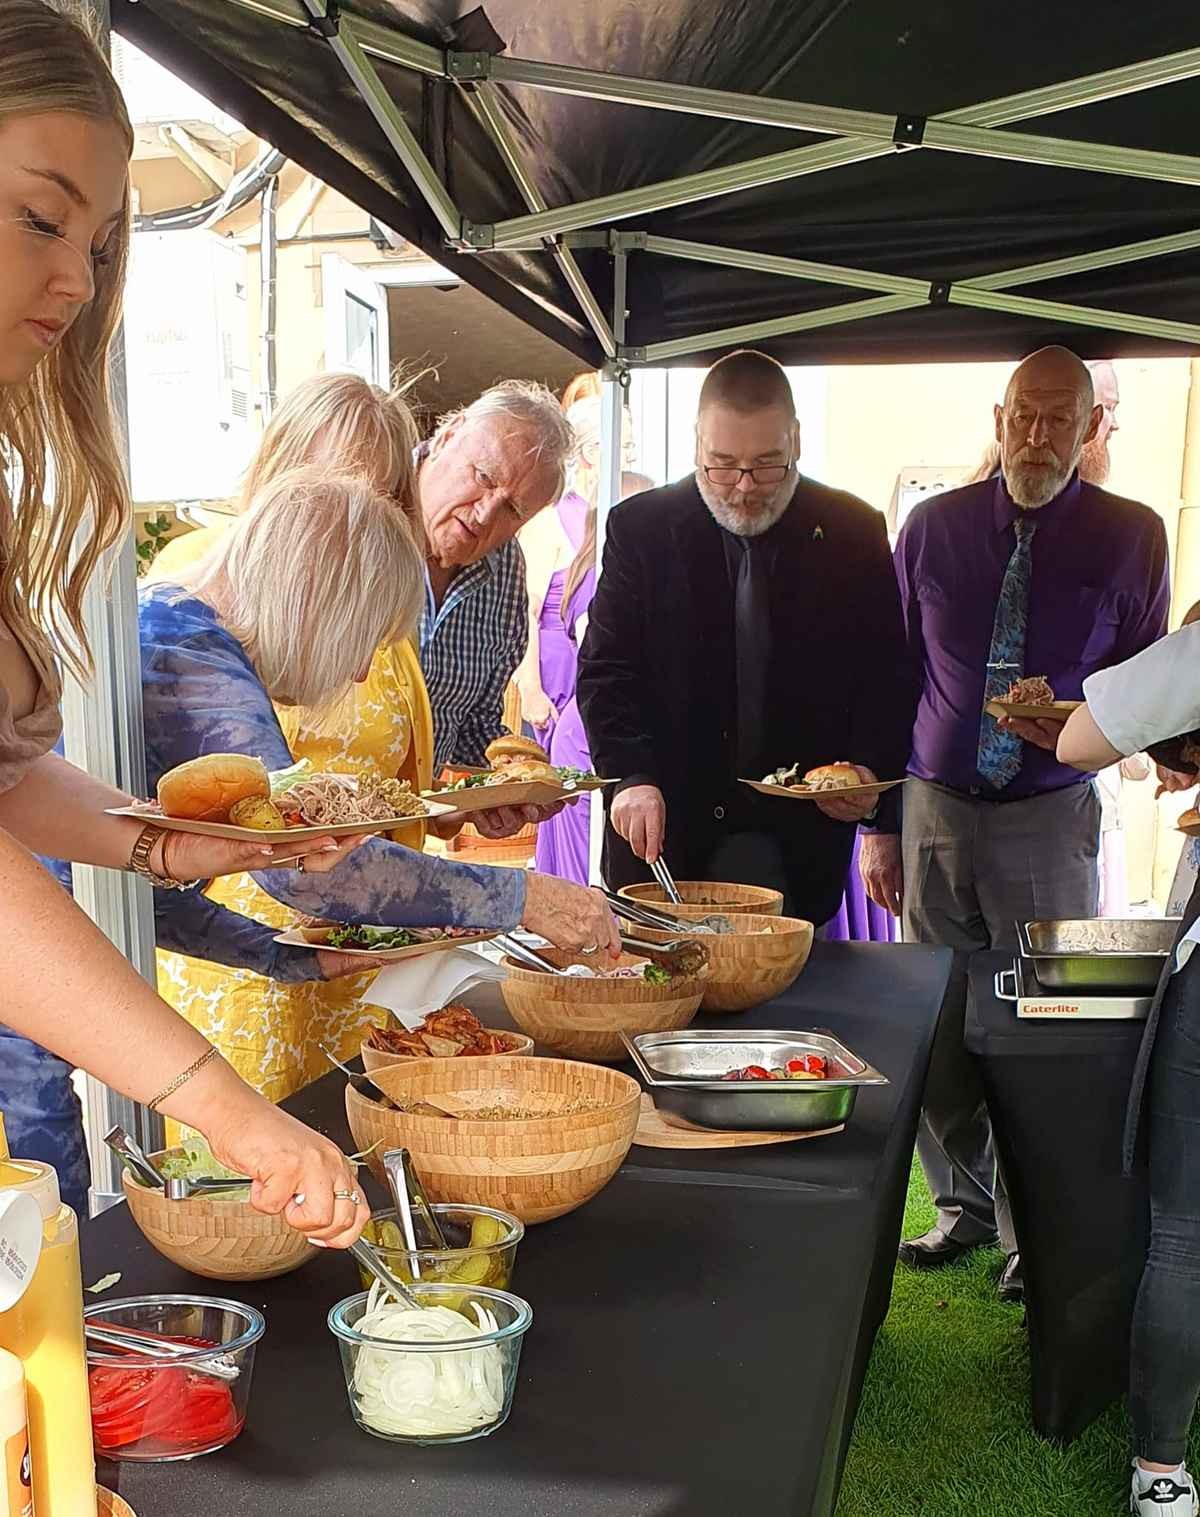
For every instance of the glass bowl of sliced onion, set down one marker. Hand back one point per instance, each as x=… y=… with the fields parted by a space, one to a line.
x=443 y=1373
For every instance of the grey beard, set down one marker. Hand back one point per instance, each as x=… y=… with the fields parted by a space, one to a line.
x=1033 y=490
x=747 y=523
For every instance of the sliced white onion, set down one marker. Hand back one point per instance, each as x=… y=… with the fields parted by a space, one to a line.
x=423 y=1394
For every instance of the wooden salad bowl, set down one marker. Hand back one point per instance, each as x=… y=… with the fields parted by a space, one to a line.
x=534 y=1168
x=752 y=964
x=584 y=1018
x=377 y=1058
x=218 y=1236
x=705 y=897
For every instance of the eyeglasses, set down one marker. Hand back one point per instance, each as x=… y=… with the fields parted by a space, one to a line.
x=764 y=474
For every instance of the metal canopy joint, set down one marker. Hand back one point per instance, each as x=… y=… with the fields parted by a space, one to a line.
x=324 y=17
x=910 y=131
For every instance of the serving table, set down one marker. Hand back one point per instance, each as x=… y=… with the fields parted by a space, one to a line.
x=701 y=1329
x=1056 y=1093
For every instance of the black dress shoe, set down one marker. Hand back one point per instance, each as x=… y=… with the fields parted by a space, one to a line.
x=933 y=1250
x=1012 y=1282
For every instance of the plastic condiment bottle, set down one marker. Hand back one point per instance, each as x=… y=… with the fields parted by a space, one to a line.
x=45 y=1331
x=16 y=1496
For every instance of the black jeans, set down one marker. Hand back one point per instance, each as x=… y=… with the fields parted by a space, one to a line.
x=1164 y=1373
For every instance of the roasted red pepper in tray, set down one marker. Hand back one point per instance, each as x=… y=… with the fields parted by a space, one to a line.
x=179 y=1409
x=809 y=1066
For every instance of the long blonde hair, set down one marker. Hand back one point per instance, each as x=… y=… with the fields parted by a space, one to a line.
x=52 y=540
x=319 y=573
x=343 y=419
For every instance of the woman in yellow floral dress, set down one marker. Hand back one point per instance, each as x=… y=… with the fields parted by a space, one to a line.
x=270 y=1032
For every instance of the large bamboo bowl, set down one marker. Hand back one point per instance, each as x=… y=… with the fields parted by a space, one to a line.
x=535 y=1169
x=218 y=1236
x=709 y=897
x=584 y=1018
x=747 y=967
x=377 y=1058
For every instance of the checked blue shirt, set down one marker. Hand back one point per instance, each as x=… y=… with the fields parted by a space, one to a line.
x=470 y=646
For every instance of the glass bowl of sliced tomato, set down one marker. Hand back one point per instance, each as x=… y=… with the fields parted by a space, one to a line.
x=169 y=1376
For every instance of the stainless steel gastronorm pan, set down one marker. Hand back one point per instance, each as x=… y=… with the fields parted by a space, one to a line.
x=683 y=1070
x=1100 y=953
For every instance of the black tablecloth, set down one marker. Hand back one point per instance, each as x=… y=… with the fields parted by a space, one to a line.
x=1057 y=1093
x=700 y=1333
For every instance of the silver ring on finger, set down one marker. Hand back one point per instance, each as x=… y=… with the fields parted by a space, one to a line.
x=347 y=1195
x=591 y=948
x=299 y=1198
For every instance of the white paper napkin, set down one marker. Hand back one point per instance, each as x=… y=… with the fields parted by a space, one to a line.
x=413 y=988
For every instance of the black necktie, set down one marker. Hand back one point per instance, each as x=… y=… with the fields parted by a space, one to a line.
x=752 y=620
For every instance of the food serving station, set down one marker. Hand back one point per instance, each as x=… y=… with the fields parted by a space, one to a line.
x=706 y=1306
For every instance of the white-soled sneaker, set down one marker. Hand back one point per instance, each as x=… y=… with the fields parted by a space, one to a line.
x=1163 y=1497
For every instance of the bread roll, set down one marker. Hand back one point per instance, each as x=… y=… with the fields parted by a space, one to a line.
x=205 y=789
x=508 y=749
x=526 y=769
x=833 y=777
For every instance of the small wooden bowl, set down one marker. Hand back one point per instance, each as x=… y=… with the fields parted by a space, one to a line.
x=708 y=897
x=377 y=1058
x=584 y=1018
x=535 y=1169
x=218 y=1236
x=109 y=1504
x=747 y=967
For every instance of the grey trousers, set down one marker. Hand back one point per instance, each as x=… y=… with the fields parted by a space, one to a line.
x=972 y=869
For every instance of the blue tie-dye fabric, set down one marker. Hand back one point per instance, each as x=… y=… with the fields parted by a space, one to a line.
x=200 y=694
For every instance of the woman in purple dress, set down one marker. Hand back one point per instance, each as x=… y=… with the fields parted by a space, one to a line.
x=560 y=550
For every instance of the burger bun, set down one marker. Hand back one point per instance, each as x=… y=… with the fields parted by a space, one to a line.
x=206 y=789
x=507 y=749
x=834 y=776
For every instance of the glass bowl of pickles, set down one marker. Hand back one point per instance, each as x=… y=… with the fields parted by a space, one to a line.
x=482 y=1247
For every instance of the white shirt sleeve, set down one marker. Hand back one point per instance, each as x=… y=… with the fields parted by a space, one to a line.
x=1153 y=696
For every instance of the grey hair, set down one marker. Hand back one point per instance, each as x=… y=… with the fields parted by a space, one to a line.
x=531 y=407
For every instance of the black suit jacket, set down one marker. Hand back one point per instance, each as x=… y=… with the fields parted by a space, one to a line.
x=657 y=676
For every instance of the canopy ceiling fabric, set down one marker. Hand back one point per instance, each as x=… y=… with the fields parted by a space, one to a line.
x=933 y=215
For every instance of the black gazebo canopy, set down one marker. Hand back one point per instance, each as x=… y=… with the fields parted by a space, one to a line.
x=831 y=180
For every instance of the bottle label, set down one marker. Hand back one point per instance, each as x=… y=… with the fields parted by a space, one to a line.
x=15 y=1472
x=20 y=1245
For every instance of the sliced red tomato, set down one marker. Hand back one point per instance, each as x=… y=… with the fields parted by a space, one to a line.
x=174 y=1406
x=755 y=1072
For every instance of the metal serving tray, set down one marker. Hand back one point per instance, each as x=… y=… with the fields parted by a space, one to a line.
x=1034 y=1003
x=682 y=1071
x=1103 y=953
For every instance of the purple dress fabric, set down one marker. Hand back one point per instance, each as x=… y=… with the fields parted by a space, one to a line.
x=859 y=920
x=563 y=842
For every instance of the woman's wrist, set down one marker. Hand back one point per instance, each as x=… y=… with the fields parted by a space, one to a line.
x=214 y=1100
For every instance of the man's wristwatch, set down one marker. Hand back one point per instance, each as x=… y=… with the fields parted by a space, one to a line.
x=139 y=861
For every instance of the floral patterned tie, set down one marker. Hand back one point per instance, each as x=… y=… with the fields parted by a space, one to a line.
x=1000 y=753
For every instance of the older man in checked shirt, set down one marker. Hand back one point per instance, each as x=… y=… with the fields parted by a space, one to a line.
x=488 y=469
x=1031 y=573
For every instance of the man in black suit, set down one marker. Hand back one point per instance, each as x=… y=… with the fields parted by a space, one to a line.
x=746 y=618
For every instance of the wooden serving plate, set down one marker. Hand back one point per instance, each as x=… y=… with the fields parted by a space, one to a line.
x=658 y=1129
x=1056 y=711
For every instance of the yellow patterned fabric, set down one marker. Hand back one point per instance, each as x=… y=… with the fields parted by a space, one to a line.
x=270 y=1032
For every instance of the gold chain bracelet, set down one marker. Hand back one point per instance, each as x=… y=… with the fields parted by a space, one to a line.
x=180 y=1080
x=139 y=861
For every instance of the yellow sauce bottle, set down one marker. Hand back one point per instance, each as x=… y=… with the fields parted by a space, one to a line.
x=45 y=1331
x=16 y=1496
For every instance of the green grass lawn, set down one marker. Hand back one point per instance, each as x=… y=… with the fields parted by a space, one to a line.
x=944 y=1430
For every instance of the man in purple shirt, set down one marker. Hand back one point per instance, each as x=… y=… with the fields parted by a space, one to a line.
x=1030 y=573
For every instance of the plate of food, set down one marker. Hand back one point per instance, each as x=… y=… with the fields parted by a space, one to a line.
x=1033 y=699
x=233 y=795
x=816 y=784
x=519 y=774
x=1189 y=823
x=387 y=944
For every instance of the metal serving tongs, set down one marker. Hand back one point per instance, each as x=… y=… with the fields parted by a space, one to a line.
x=134 y=1157
x=412 y=1207
x=362 y=1083
x=650 y=916
x=527 y=956
x=374 y=1265
x=680 y=956
x=666 y=879
x=151 y=1346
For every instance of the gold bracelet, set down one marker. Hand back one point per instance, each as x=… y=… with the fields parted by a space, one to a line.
x=194 y=1068
x=139 y=861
